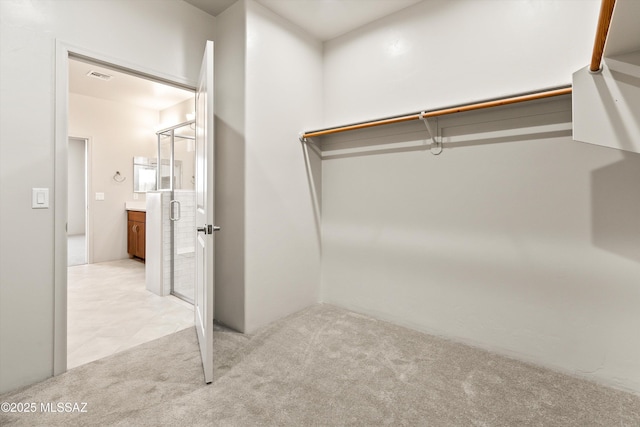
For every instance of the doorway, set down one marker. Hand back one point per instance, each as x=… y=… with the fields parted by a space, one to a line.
x=77 y=218
x=109 y=308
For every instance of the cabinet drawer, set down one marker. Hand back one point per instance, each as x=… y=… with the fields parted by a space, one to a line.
x=137 y=216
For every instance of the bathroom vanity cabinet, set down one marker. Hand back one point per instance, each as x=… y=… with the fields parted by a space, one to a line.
x=136 y=225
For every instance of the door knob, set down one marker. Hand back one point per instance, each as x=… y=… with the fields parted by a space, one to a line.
x=208 y=229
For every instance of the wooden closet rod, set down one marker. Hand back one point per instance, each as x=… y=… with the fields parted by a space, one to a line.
x=606 y=11
x=441 y=112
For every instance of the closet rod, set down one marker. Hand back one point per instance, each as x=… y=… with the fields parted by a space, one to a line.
x=441 y=112
x=606 y=11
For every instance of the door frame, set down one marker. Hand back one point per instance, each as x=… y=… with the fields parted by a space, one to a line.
x=63 y=52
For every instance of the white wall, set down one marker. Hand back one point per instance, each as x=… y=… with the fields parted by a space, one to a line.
x=516 y=239
x=177 y=114
x=442 y=52
x=76 y=219
x=283 y=89
x=268 y=252
x=229 y=65
x=166 y=37
x=118 y=132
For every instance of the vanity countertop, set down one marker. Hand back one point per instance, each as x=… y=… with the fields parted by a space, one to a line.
x=136 y=205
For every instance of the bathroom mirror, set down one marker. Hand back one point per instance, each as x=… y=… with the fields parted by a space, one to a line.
x=144 y=174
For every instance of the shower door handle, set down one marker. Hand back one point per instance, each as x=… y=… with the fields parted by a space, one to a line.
x=172 y=210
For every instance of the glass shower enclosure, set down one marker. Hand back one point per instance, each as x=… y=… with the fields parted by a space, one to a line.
x=175 y=176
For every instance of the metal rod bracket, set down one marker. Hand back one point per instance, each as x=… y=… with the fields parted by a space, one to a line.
x=598 y=71
x=436 y=144
x=301 y=137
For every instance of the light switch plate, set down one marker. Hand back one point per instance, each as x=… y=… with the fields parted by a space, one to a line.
x=99 y=196
x=39 y=198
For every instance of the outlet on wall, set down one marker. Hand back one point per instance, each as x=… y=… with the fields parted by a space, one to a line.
x=99 y=196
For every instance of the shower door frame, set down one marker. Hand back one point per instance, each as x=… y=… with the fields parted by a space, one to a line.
x=172 y=190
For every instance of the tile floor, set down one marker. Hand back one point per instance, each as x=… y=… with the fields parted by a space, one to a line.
x=110 y=310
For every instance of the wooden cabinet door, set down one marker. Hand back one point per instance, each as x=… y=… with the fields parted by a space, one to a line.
x=131 y=239
x=136 y=234
x=140 y=240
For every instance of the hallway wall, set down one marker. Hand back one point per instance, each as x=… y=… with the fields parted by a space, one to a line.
x=154 y=38
x=76 y=188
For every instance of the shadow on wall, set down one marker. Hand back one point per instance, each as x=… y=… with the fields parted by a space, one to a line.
x=615 y=207
x=229 y=214
x=313 y=166
x=618 y=97
x=615 y=201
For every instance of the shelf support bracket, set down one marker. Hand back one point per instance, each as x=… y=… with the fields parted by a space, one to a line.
x=436 y=143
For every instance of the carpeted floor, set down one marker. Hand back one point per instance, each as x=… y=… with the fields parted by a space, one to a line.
x=323 y=366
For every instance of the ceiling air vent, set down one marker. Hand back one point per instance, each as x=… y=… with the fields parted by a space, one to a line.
x=98 y=75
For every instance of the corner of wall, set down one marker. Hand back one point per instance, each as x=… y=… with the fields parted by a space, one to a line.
x=284 y=93
x=229 y=47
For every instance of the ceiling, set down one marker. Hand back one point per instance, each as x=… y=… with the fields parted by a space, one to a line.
x=212 y=7
x=324 y=19
x=123 y=87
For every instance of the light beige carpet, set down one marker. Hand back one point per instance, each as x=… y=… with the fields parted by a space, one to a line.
x=323 y=366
